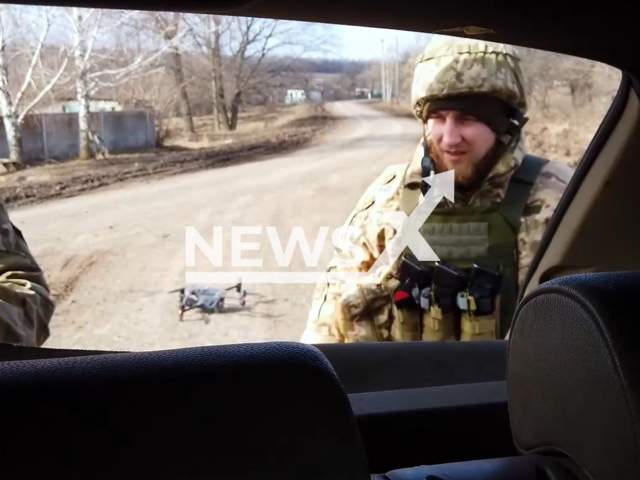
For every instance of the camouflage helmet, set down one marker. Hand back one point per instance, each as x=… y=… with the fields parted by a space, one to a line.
x=452 y=66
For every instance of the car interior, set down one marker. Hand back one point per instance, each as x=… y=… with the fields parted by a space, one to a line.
x=559 y=398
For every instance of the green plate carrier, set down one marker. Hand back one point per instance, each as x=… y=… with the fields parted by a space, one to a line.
x=487 y=234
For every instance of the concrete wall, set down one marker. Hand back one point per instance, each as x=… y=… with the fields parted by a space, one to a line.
x=55 y=135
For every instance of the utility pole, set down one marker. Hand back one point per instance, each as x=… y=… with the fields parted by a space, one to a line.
x=397 y=86
x=389 y=78
x=383 y=83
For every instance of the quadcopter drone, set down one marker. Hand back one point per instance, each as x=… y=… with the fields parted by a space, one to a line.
x=207 y=299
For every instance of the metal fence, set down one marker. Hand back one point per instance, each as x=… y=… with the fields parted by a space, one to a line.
x=56 y=135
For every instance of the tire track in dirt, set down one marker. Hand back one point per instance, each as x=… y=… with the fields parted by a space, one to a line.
x=72 y=270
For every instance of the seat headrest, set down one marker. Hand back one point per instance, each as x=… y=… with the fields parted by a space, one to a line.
x=573 y=372
x=273 y=410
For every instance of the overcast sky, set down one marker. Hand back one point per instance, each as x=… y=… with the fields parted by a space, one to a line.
x=352 y=43
x=362 y=43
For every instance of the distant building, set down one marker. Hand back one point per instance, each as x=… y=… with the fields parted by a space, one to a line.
x=72 y=106
x=295 y=96
x=364 y=93
x=315 y=95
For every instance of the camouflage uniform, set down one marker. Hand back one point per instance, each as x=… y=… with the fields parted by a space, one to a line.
x=26 y=306
x=345 y=313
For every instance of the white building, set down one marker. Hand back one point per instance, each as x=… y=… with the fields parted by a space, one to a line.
x=295 y=96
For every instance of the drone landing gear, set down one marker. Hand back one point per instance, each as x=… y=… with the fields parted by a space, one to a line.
x=220 y=306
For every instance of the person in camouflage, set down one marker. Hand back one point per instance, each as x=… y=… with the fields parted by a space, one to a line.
x=470 y=97
x=26 y=306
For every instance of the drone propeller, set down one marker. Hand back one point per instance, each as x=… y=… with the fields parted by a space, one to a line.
x=237 y=287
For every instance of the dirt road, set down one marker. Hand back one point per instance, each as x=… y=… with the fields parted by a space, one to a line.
x=111 y=256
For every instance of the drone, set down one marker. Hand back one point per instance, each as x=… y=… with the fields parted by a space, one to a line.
x=207 y=299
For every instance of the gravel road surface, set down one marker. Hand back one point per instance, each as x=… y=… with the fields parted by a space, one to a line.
x=111 y=256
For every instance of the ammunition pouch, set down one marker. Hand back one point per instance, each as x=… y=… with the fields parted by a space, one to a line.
x=408 y=299
x=406 y=325
x=446 y=303
x=478 y=327
x=438 y=326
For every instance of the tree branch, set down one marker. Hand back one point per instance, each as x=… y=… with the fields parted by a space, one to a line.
x=34 y=61
x=92 y=39
x=43 y=92
x=139 y=62
x=98 y=83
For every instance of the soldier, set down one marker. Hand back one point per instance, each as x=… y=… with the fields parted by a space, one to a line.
x=26 y=306
x=469 y=96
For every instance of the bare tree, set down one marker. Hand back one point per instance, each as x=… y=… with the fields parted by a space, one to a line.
x=14 y=105
x=348 y=81
x=95 y=71
x=168 y=25
x=541 y=71
x=207 y=32
x=258 y=52
x=217 y=85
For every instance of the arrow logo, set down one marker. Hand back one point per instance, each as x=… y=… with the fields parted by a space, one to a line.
x=407 y=232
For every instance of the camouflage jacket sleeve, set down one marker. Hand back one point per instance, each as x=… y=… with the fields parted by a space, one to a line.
x=26 y=306
x=543 y=201
x=349 y=312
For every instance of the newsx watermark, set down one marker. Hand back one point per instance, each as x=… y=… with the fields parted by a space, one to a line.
x=407 y=235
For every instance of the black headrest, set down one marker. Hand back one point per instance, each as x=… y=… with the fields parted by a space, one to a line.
x=273 y=410
x=573 y=372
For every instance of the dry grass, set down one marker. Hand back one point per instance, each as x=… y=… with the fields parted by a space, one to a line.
x=562 y=129
x=250 y=122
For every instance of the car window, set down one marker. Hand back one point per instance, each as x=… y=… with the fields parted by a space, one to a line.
x=187 y=180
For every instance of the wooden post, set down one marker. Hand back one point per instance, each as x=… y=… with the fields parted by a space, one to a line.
x=44 y=136
x=147 y=127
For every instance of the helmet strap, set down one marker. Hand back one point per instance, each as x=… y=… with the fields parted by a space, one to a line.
x=427 y=167
x=514 y=131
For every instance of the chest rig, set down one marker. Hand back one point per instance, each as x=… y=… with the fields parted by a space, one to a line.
x=484 y=234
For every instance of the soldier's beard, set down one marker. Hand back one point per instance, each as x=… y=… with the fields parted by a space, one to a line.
x=468 y=175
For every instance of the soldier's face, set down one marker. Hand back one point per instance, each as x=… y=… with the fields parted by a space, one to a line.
x=459 y=142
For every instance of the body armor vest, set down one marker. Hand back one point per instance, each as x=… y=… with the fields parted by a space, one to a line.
x=486 y=234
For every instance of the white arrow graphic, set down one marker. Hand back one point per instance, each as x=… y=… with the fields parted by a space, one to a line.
x=407 y=232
